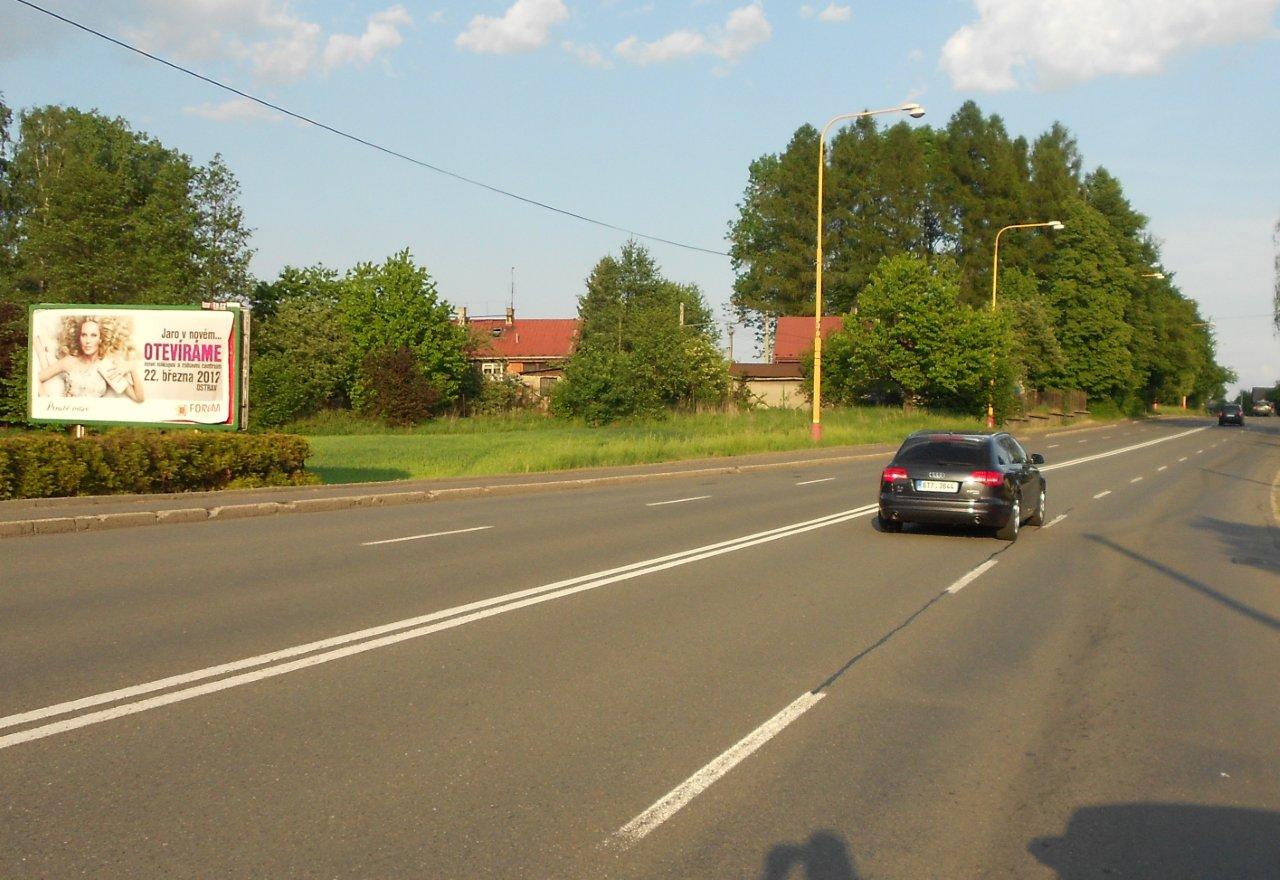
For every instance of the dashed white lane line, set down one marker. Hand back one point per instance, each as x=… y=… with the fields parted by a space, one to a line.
x=1082 y=441
x=1163 y=467
x=811 y=482
x=677 y=501
x=420 y=537
x=1198 y=451
x=1184 y=458
x=971 y=576
x=1054 y=445
x=350 y=644
x=1103 y=494
x=670 y=804
x=1053 y=522
x=1136 y=480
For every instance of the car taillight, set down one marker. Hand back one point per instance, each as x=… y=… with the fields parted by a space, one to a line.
x=893 y=473
x=987 y=478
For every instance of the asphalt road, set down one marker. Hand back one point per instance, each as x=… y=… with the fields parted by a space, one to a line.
x=728 y=677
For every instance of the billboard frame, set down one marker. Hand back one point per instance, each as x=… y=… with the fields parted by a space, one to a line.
x=240 y=367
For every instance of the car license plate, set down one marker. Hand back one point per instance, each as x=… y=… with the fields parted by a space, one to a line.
x=936 y=486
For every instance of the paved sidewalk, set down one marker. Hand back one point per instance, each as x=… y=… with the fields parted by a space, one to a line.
x=84 y=513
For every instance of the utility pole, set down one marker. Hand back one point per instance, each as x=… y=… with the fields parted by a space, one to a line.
x=681 y=314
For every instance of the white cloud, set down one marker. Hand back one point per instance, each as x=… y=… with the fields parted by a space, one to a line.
x=277 y=44
x=234 y=110
x=832 y=12
x=1055 y=43
x=588 y=55
x=381 y=34
x=525 y=26
x=745 y=29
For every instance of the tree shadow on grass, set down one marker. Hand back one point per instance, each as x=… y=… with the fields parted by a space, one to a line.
x=359 y=474
x=1153 y=841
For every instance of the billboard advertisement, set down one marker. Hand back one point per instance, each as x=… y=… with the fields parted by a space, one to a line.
x=137 y=365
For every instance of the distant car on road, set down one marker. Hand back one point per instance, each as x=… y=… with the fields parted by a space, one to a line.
x=974 y=479
x=1231 y=414
x=1263 y=408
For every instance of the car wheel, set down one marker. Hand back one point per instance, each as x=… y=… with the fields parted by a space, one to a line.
x=888 y=525
x=1009 y=531
x=1037 y=518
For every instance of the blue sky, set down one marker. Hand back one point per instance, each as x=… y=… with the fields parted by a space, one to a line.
x=646 y=115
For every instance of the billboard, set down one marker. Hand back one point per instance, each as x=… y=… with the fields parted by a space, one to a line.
x=136 y=365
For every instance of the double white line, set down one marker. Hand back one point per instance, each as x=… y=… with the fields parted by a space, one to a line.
x=326 y=650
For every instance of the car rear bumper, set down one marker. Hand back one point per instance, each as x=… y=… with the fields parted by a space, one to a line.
x=991 y=512
x=1231 y=420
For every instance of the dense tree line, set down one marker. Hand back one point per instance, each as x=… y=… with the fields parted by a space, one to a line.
x=1081 y=307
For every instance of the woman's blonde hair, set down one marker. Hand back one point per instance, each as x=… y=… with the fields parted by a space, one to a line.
x=116 y=333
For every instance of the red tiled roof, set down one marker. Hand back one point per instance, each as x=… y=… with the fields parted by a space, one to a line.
x=524 y=337
x=794 y=336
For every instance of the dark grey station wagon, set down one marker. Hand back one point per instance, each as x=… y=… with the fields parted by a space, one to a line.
x=985 y=479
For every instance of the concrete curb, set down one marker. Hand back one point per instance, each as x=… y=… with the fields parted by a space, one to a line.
x=104 y=521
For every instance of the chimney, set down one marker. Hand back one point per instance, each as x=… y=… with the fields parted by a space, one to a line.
x=462 y=315
x=511 y=315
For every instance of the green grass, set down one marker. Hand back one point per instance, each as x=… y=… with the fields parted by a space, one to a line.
x=348 y=450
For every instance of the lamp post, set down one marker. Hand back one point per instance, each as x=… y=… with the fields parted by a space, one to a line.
x=915 y=111
x=995 y=281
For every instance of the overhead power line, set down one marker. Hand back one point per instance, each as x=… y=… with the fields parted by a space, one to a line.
x=362 y=141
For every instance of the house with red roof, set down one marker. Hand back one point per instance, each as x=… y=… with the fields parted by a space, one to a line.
x=779 y=382
x=533 y=350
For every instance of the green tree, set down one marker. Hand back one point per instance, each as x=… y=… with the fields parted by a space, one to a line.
x=1034 y=351
x=301 y=359
x=222 y=238
x=772 y=243
x=634 y=357
x=395 y=305
x=104 y=214
x=913 y=341
x=1089 y=290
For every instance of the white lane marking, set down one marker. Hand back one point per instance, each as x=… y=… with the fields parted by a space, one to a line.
x=1163 y=467
x=494 y=606
x=1198 y=451
x=811 y=482
x=1054 y=445
x=1053 y=522
x=677 y=501
x=1102 y=494
x=1082 y=441
x=1184 y=458
x=420 y=537
x=670 y=804
x=1075 y=461
x=971 y=576
x=1106 y=436
x=1136 y=480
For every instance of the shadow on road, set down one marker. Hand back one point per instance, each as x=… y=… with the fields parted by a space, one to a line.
x=823 y=857
x=1164 y=842
x=1255 y=546
x=1239 y=607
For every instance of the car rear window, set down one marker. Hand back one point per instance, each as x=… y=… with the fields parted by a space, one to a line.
x=940 y=451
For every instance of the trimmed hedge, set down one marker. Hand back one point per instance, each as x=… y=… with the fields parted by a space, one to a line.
x=129 y=461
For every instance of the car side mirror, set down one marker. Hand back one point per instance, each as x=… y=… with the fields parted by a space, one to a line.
x=1037 y=458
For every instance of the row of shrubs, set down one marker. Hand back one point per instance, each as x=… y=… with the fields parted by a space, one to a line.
x=43 y=465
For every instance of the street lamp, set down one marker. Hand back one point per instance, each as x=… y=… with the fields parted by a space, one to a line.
x=995 y=280
x=915 y=111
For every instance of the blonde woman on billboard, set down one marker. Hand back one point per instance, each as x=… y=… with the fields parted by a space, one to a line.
x=93 y=359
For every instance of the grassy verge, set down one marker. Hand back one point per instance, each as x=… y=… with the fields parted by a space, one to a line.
x=346 y=451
